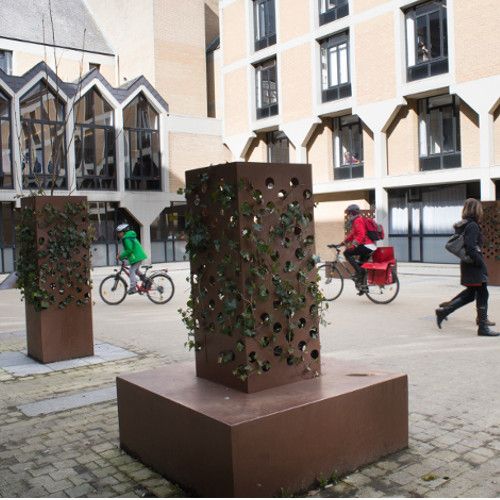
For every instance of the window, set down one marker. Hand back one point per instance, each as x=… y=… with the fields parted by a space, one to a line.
x=5 y=144
x=439 y=133
x=278 y=147
x=6 y=61
x=264 y=23
x=168 y=235
x=142 y=146
x=348 y=147
x=43 y=139
x=267 y=89
x=329 y=10
x=335 y=80
x=94 y=143
x=426 y=40
x=7 y=237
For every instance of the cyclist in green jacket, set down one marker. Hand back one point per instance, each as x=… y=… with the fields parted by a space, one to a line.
x=132 y=251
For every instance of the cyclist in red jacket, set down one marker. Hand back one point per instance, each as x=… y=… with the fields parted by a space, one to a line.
x=357 y=241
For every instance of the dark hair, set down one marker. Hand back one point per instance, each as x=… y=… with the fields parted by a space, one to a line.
x=473 y=209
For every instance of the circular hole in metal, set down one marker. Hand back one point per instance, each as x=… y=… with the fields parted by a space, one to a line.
x=270 y=183
x=315 y=354
x=211 y=304
x=211 y=280
x=302 y=345
x=307 y=194
x=265 y=318
x=290 y=360
x=282 y=194
x=289 y=336
x=278 y=350
x=313 y=333
x=264 y=341
x=302 y=322
x=294 y=182
x=275 y=256
x=252 y=357
x=277 y=327
x=270 y=207
x=297 y=230
x=299 y=253
x=266 y=366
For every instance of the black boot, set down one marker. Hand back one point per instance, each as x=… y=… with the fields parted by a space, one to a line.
x=453 y=305
x=484 y=329
x=488 y=322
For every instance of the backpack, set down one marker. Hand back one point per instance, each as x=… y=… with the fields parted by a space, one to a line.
x=374 y=231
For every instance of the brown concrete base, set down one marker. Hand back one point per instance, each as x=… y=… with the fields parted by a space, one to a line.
x=220 y=442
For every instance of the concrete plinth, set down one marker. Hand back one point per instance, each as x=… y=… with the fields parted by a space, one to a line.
x=217 y=441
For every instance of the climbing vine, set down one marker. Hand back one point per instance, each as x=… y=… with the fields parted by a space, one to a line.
x=253 y=273
x=53 y=265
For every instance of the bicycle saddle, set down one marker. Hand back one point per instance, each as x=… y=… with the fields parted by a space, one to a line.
x=146 y=267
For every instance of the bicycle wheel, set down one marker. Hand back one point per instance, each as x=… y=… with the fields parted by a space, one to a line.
x=383 y=294
x=113 y=289
x=331 y=282
x=161 y=289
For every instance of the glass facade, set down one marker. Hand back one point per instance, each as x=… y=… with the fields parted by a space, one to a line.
x=335 y=78
x=94 y=141
x=348 y=147
x=168 y=237
x=142 y=146
x=266 y=80
x=7 y=237
x=43 y=139
x=6 y=181
x=264 y=23
x=330 y=10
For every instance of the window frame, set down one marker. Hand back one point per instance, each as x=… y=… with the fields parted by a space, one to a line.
x=351 y=170
x=6 y=119
x=272 y=108
x=145 y=182
x=443 y=159
x=328 y=14
x=95 y=182
x=340 y=90
x=276 y=153
x=269 y=36
x=27 y=124
x=434 y=66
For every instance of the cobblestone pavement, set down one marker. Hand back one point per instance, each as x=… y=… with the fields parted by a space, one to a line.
x=454 y=384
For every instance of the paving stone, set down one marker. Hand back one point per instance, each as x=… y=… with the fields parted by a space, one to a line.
x=474 y=458
x=81 y=490
x=57 y=486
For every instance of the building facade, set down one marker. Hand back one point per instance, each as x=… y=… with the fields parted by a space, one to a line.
x=110 y=100
x=395 y=103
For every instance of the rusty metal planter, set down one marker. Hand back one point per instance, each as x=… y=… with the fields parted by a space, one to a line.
x=56 y=334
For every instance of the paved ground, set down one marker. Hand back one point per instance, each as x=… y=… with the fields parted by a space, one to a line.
x=69 y=444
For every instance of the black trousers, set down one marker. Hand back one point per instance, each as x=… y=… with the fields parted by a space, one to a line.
x=360 y=251
x=478 y=293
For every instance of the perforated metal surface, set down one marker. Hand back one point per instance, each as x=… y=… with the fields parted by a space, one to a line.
x=490 y=227
x=273 y=187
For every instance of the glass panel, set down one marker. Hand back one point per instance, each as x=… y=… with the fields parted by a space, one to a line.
x=434 y=250
x=5 y=163
x=7 y=225
x=110 y=144
x=435 y=132
x=261 y=21
x=442 y=208
x=52 y=109
x=30 y=104
x=273 y=88
x=78 y=151
x=99 y=255
x=157 y=252
x=435 y=34
x=398 y=215
x=422 y=39
x=324 y=68
x=345 y=139
x=343 y=63
x=4 y=106
x=100 y=152
x=333 y=76
x=448 y=139
x=400 y=245
x=415 y=250
x=140 y=114
x=180 y=250
x=102 y=110
x=88 y=152
x=410 y=38
x=415 y=220
x=422 y=130
x=357 y=144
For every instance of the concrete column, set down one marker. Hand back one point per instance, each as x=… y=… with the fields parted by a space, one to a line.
x=17 y=146
x=299 y=133
x=120 y=150
x=382 y=208
x=486 y=144
x=146 y=241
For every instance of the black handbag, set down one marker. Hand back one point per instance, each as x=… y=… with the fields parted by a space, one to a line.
x=456 y=246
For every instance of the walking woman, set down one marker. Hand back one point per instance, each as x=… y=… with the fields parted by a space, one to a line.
x=473 y=276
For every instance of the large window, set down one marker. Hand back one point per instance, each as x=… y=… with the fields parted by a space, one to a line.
x=266 y=89
x=335 y=80
x=6 y=61
x=348 y=147
x=426 y=40
x=43 y=139
x=439 y=133
x=7 y=237
x=5 y=144
x=94 y=143
x=168 y=236
x=264 y=23
x=278 y=147
x=142 y=146
x=329 y=10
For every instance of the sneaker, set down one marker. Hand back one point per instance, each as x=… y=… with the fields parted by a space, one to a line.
x=131 y=291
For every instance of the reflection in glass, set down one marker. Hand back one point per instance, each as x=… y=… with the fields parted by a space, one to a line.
x=5 y=144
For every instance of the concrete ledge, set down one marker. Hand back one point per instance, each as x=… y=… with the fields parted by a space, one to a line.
x=220 y=442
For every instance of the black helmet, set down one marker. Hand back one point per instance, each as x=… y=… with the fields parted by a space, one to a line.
x=353 y=209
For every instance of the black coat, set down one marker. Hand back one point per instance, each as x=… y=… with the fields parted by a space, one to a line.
x=475 y=273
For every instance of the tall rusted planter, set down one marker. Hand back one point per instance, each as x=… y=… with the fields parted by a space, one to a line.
x=491 y=231
x=63 y=330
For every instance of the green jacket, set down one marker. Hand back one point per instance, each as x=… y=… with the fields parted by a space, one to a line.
x=132 y=249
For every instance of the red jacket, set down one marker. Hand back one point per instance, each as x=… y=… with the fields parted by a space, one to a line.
x=358 y=232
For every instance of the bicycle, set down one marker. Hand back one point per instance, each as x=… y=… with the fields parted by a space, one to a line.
x=158 y=286
x=379 y=283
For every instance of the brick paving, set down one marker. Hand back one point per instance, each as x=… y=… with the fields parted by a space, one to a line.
x=454 y=406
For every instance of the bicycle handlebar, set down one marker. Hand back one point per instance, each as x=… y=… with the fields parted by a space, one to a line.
x=337 y=247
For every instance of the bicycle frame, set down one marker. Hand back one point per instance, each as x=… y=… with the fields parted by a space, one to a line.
x=141 y=284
